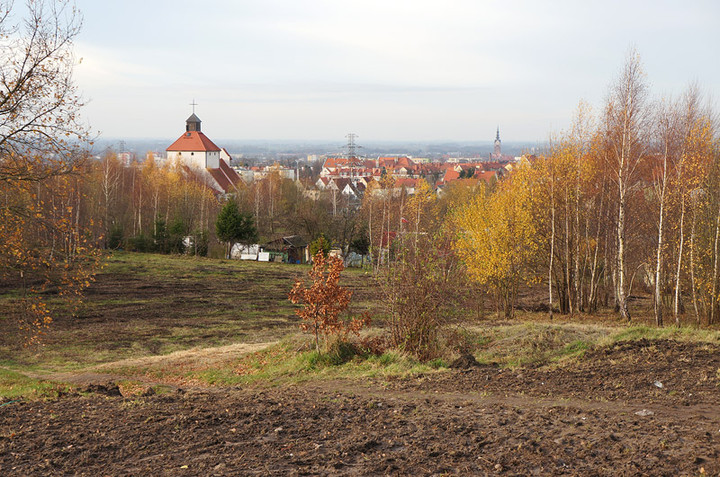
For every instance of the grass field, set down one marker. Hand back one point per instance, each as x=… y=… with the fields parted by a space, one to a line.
x=145 y=305
x=208 y=321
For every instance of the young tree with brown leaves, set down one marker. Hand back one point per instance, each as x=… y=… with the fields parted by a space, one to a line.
x=324 y=300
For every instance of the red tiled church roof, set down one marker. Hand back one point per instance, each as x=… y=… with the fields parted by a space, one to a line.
x=193 y=141
x=225 y=177
x=221 y=180
x=229 y=172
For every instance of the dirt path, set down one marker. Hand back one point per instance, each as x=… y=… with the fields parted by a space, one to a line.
x=103 y=375
x=201 y=356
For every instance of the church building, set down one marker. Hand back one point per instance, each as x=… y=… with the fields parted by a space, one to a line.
x=195 y=150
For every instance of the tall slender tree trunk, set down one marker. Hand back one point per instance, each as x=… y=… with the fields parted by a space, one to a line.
x=257 y=202
x=583 y=288
x=387 y=263
x=132 y=198
x=628 y=121
x=417 y=232
x=77 y=216
x=658 y=256
x=594 y=285
x=552 y=242
x=620 y=272
x=271 y=200
x=607 y=273
x=568 y=258
x=382 y=232
x=692 y=266
x=716 y=264
x=576 y=235
x=155 y=209
x=678 y=298
x=370 y=235
x=140 y=204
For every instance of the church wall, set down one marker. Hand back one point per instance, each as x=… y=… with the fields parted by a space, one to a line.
x=192 y=159
x=212 y=159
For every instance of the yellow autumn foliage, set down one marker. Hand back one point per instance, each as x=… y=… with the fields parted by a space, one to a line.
x=497 y=237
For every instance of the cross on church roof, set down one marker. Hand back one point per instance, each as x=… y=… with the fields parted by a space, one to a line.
x=193 y=104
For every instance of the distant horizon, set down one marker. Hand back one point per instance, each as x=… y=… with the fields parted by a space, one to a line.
x=420 y=70
x=327 y=141
x=275 y=146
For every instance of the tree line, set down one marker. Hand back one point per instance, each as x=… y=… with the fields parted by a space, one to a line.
x=626 y=200
x=623 y=204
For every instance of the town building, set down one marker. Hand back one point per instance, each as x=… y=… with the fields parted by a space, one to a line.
x=195 y=151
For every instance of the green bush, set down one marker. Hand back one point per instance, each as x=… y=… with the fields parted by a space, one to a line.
x=140 y=243
x=200 y=243
x=178 y=231
x=115 y=238
x=161 y=237
x=321 y=243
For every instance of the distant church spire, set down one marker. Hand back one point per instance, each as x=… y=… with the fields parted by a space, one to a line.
x=497 y=152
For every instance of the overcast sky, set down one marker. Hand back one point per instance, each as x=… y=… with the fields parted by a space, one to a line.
x=385 y=70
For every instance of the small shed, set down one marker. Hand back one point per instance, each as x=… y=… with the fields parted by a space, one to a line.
x=294 y=247
x=245 y=252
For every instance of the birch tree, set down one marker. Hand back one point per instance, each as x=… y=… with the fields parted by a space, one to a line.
x=626 y=131
x=666 y=127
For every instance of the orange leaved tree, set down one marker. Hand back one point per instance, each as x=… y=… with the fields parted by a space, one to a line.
x=44 y=245
x=324 y=300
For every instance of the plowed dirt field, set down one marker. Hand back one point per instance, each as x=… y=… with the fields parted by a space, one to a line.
x=634 y=408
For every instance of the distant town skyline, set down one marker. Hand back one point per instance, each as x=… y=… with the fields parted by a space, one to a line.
x=387 y=71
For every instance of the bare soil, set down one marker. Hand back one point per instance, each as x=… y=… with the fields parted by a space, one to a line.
x=634 y=408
